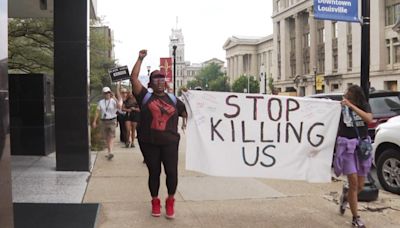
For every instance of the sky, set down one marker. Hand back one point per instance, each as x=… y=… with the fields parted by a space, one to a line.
x=206 y=25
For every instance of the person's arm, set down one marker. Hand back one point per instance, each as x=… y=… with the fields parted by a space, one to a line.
x=96 y=116
x=136 y=85
x=118 y=95
x=184 y=120
x=365 y=116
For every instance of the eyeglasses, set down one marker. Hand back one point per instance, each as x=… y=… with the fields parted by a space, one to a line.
x=157 y=80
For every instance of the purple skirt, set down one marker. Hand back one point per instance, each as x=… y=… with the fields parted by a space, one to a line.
x=346 y=160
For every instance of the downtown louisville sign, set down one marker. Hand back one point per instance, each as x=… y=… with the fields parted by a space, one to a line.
x=255 y=135
x=336 y=10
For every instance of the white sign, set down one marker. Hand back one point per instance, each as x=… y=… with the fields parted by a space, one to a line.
x=255 y=135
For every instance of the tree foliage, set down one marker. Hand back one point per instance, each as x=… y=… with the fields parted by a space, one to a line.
x=211 y=78
x=240 y=85
x=31 y=50
x=30 y=45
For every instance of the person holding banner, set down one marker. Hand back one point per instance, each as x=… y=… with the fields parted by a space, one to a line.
x=158 y=134
x=107 y=108
x=356 y=112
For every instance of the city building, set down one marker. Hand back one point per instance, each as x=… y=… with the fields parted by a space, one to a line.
x=306 y=49
x=250 y=56
x=185 y=70
x=108 y=40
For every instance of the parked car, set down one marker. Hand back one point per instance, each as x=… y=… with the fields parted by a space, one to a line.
x=384 y=105
x=386 y=151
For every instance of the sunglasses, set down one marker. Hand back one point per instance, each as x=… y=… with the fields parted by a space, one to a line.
x=157 y=80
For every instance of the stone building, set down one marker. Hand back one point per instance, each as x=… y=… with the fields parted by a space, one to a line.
x=305 y=48
x=250 y=56
x=185 y=70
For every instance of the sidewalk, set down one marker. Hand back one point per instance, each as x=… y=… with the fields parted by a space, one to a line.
x=120 y=186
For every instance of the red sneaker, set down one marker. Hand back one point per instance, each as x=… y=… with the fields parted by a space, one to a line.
x=169 y=207
x=156 y=207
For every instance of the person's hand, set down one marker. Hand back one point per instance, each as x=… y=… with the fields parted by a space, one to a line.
x=142 y=54
x=183 y=127
x=94 y=125
x=345 y=102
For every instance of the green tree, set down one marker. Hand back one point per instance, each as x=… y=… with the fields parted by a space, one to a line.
x=211 y=78
x=240 y=85
x=30 y=46
x=271 y=84
x=31 y=50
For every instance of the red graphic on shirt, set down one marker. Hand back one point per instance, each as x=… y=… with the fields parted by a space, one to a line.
x=161 y=112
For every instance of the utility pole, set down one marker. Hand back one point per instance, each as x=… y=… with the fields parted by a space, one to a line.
x=365 y=41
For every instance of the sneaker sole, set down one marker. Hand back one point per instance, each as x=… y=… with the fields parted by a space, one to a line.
x=155 y=215
x=170 y=216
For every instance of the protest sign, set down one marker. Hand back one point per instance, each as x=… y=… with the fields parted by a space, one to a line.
x=119 y=73
x=255 y=135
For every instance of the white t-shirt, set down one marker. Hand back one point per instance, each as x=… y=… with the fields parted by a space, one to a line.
x=108 y=108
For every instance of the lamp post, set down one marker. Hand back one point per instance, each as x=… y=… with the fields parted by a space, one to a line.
x=315 y=80
x=148 y=70
x=174 y=55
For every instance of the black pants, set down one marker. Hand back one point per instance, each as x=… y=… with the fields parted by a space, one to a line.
x=122 y=128
x=154 y=155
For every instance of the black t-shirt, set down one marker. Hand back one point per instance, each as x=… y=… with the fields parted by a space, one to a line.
x=348 y=131
x=159 y=119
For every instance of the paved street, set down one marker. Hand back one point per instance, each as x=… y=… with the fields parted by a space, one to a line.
x=120 y=186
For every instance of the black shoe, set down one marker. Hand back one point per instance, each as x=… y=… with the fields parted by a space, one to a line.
x=343 y=199
x=133 y=145
x=110 y=156
x=127 y=145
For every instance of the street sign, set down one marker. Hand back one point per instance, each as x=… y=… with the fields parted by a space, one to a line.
x=320 y=82
x=336 y=10
x=119 y=73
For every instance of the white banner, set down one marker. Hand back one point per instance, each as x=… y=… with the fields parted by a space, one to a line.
x=255 y=135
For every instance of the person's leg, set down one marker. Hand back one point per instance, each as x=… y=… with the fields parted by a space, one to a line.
x=352 y=194
x=169 y=157
x=110 y=135
x=128 y=127
x=152 y=155
x=133 y=133
x=153 y=162
x=121 y=122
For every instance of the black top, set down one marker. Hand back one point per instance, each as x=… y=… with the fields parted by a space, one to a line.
x=348 y=131
x=159 y=119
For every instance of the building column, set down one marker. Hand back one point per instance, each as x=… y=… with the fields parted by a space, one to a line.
x=285 y=50
x=236 y=68
x=378 y=59
x=71 y=78
x=228 y=65
x=6 y=206
x=254 y=66
x=299 y=44
x=240 y=65
x=313 y=41
x=328 y=47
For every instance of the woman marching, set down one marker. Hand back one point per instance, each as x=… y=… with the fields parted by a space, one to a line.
x=158 y=134
x=355 y=117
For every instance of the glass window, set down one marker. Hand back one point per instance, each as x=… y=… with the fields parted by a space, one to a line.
x=385 y=105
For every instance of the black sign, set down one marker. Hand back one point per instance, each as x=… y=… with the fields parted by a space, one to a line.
x=119 y=73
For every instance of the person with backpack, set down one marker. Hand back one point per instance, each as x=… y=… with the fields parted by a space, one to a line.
x=158 y=135
x=353 y=127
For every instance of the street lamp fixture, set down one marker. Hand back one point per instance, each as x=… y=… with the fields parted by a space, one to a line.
x=315 y=80
x=174 y=55
x=148 y=70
